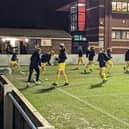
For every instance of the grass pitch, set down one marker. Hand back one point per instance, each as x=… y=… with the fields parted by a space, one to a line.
x=85 y=103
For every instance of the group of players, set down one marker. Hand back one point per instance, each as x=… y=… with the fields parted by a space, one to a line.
x=38 y=63
x=104 y=59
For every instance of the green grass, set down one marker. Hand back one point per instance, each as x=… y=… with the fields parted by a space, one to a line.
x=85 y=104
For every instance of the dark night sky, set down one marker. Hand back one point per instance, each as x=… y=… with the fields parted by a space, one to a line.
x=33 y=14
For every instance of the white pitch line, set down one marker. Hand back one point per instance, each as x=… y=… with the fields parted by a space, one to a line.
x=99 y=95
x=94 y=107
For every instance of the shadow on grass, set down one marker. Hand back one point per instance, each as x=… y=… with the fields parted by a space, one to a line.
x=84 y=73
x=98 y=85
x=27 y=87
x=126 y=72
x=46 y=90
x=23 y=88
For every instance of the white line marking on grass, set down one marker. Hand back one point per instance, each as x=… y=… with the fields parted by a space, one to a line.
x=99 y=95
x=94 y=107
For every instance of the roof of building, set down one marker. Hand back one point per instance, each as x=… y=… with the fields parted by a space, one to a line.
x=66 y=7
x=34 y=33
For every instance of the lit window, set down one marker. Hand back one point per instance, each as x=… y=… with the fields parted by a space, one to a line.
x=119 y=7
x=73 y=10
x=113 y=6
x=128 y=7
x=124 y=7
x=113 y=35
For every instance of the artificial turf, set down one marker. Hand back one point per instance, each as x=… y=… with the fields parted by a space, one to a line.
x=85 y=103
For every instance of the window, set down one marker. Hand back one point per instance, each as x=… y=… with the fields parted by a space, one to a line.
x=124 y=7
x=128 y=7
x=117 y=34
x=128 y=35
x=46 y=42
x=73 y=12
x=113 y=6
x=113 y=35
x=120 y=34
x=124 y=35
x=119 y=6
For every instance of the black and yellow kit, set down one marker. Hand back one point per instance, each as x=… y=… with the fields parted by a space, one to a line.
x=109 y=62
x=61 y=69
x=90 y=54
x=127 y=60
x=44 y=60
x=102 y=64
x=14 y=60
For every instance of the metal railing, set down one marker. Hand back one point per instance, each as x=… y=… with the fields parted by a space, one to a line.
x=24 y=115
x=17 y=112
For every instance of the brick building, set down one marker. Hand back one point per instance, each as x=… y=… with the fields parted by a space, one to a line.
x=108 y=24
x=30 y=38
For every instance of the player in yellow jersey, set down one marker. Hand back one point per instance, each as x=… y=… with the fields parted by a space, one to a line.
x=109 y=63
x=14 y=62
x=102 y=65
x=61 y=68
x=90 y=54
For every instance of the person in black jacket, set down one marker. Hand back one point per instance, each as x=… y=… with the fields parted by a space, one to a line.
x=109 y=63
x=35 y=64
x=102 y=64
x=90 y=54
x=126 y=67
x=61 y=68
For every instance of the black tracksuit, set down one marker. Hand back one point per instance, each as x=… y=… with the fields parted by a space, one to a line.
x=35 y=62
